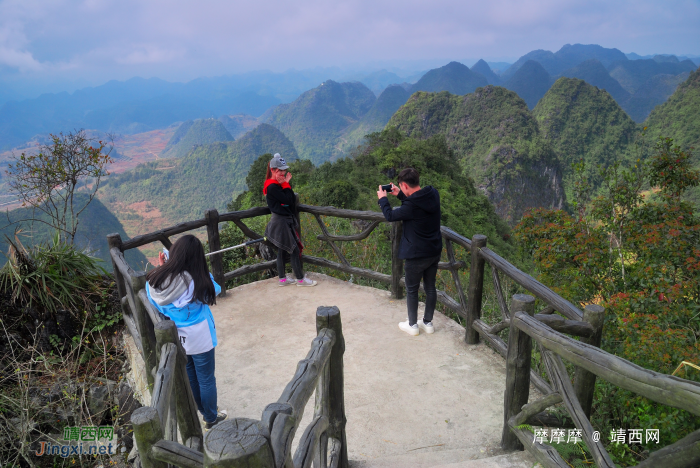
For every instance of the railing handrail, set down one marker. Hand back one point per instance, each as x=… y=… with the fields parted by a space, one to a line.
x=327 y=430
x=523 y=279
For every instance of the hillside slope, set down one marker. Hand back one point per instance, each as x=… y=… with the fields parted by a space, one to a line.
x=632 y=74
x=208 y=177
x=315 y=120
x=594 y=73
x=195 y=133
x=238 y=125
x=391 y=99
x=582 y=122
x=653 y=92
x=679 y=118
x=530 y=82
x=95 y=223
x=497 y=141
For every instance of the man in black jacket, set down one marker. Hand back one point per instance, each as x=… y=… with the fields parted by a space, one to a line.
x=421 y=244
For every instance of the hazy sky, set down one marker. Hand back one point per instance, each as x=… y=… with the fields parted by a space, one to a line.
x=96 y=40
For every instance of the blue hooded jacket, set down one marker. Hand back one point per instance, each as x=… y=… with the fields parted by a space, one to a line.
x=194 y=320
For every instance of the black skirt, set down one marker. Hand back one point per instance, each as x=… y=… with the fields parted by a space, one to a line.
x=283 y=232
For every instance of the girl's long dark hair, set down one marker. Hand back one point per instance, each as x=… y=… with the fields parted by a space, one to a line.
x=186 y=254
x=268 y=174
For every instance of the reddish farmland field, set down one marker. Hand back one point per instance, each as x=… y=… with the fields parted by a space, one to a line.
x=140 y=148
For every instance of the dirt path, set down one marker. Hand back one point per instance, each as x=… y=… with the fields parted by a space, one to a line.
x=418 y=401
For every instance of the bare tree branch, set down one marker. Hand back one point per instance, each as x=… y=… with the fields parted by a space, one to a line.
x=49 y=179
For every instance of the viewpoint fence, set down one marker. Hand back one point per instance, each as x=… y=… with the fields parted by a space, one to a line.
x=323 y=442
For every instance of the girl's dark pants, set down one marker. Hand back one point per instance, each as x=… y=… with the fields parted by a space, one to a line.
x=293 y=258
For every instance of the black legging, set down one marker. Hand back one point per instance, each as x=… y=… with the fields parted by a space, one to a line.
x=294 y=259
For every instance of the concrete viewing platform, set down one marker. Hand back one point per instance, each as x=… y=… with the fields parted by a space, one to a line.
x=424 y=401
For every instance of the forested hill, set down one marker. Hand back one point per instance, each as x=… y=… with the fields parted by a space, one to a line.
x=183 y=189
x=195 y=133
x=582 y=122
x=497 y=142
x=594 y=73
x=679 y=118
x=376 y=118
x=95 y=223
x=352 y=183
x=315 y=121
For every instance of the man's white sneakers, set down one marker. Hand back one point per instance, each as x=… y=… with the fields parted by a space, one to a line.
x=411 y=330
x=426 y=327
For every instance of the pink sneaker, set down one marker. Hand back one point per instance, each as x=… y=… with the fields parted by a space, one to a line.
x=287 y=282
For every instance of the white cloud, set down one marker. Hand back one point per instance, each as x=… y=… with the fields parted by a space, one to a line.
x=21 y=60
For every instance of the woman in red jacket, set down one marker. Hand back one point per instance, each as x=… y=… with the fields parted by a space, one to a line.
x=283 y=230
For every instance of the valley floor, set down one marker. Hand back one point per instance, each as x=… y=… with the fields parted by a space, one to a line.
x=419 y=402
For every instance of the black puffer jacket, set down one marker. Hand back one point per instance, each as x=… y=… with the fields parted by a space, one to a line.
x=420 y=214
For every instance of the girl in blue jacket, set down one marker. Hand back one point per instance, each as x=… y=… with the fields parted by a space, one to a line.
x=182 y=289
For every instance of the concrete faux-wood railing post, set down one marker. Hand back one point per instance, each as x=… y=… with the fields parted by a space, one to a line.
x=145 y=327
x=455 y=276
x=147 y=432
x=186 y=409
x=217 y=264
x=115 y=240
x=517 y=371
x=476 y=288
x=584 y=381
x=329 y=317
x=396 y=262
x=238 y=443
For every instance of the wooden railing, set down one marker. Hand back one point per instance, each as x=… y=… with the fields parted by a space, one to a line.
x=267 y=443
x=172 y=404
x=549 y=328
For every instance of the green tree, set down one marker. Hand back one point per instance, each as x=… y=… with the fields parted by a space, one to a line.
x=636 y=252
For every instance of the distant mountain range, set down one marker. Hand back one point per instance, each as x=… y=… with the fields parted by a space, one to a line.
x=567 y=57
x=133 y=106
x=645 y=83
x=637 y=85
x=139 y=105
